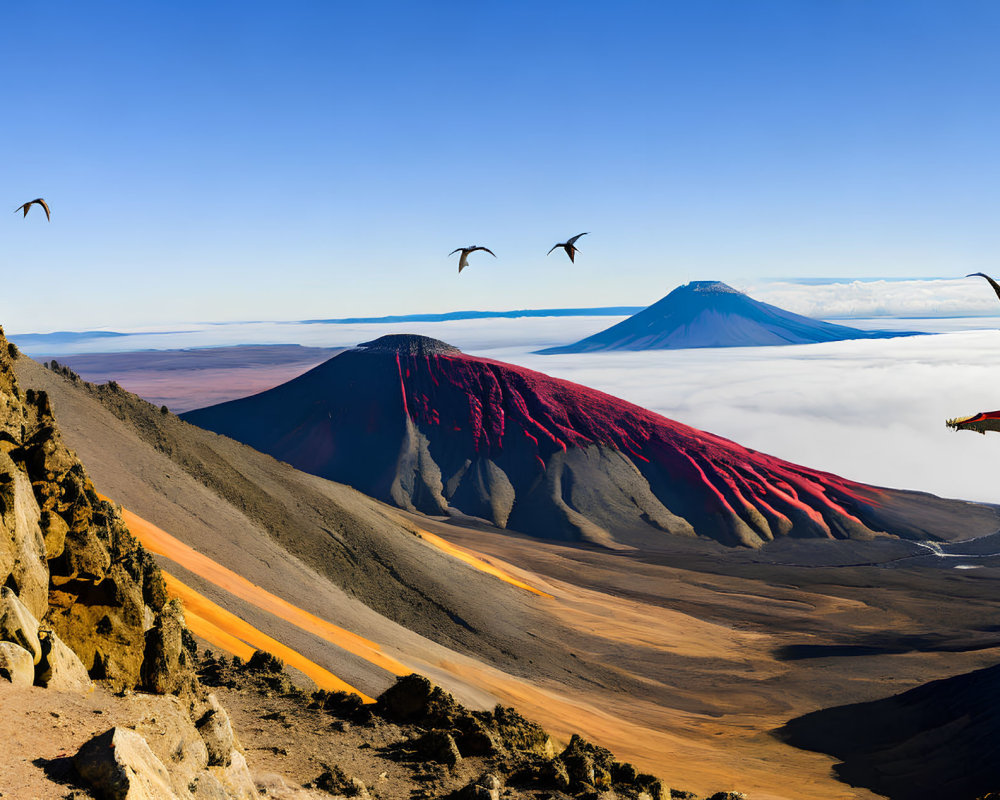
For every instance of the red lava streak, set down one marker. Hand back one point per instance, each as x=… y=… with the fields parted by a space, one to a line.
x=554 y=414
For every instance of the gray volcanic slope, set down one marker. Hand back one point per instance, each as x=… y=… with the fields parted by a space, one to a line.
x=319 y=544
x=713 y=314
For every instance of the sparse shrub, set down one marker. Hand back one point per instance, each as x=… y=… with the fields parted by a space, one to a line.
x=262 y=661
x=164 y=410
x=12 y=351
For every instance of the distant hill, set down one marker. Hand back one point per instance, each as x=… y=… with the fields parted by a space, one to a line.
x=713 y=314
x=601 y=311
x=416 y=422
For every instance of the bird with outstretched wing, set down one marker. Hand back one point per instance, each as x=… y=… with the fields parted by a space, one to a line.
x=30 y=203
x=569 y=246
x=463 y=260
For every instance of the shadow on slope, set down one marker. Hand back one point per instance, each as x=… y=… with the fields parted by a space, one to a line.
x=938 y=740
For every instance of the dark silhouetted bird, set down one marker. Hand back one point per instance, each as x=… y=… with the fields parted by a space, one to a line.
x=993 y=283
x=30 y=203
x=569 y=246
x=463 y=262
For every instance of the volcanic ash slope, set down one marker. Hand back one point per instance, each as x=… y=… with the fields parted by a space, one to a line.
x=415 y=422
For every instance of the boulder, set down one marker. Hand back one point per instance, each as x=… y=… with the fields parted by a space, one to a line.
x=119 y=765
x=438 y=746
x=59 y=667
x=485 y=787
x=16 y=664
x=173 y=738
x=18 y=624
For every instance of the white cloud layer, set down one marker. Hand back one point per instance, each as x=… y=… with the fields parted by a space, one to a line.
x=880 y=298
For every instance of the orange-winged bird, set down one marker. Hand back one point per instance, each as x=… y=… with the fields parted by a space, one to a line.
x=30 y=203
x=463 y=262
x=569 y=247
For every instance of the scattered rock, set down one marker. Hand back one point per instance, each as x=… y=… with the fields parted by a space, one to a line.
x=485 y=787
x=16 y=664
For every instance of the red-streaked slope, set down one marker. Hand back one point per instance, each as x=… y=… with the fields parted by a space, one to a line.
x=417 y=422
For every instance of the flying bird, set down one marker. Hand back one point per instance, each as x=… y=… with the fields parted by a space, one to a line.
x=993 y=283
x=30 y=203
x=569 y=246
x=463 y=262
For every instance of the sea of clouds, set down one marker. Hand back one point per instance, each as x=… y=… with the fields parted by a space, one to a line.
x=845 y=299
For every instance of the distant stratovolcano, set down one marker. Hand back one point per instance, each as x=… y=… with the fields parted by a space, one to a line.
x=713 y=314
x=415 y=422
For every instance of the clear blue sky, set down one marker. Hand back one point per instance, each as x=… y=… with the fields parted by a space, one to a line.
x=285 y=160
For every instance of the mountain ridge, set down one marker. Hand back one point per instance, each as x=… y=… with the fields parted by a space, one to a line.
x=714 y=314
x=414 y=422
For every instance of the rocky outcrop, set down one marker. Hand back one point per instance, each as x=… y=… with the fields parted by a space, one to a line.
x=519 y=753
x=66 y=554
x=82 y=600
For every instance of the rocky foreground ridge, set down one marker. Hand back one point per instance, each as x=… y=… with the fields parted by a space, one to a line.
x=88 y=635
x=82 y=601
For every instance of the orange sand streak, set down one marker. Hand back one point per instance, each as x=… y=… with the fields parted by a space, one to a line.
x=163 y=544
x=463 y=555
x=206 y=616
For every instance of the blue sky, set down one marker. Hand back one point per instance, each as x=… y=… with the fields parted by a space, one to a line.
x=219 y=161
